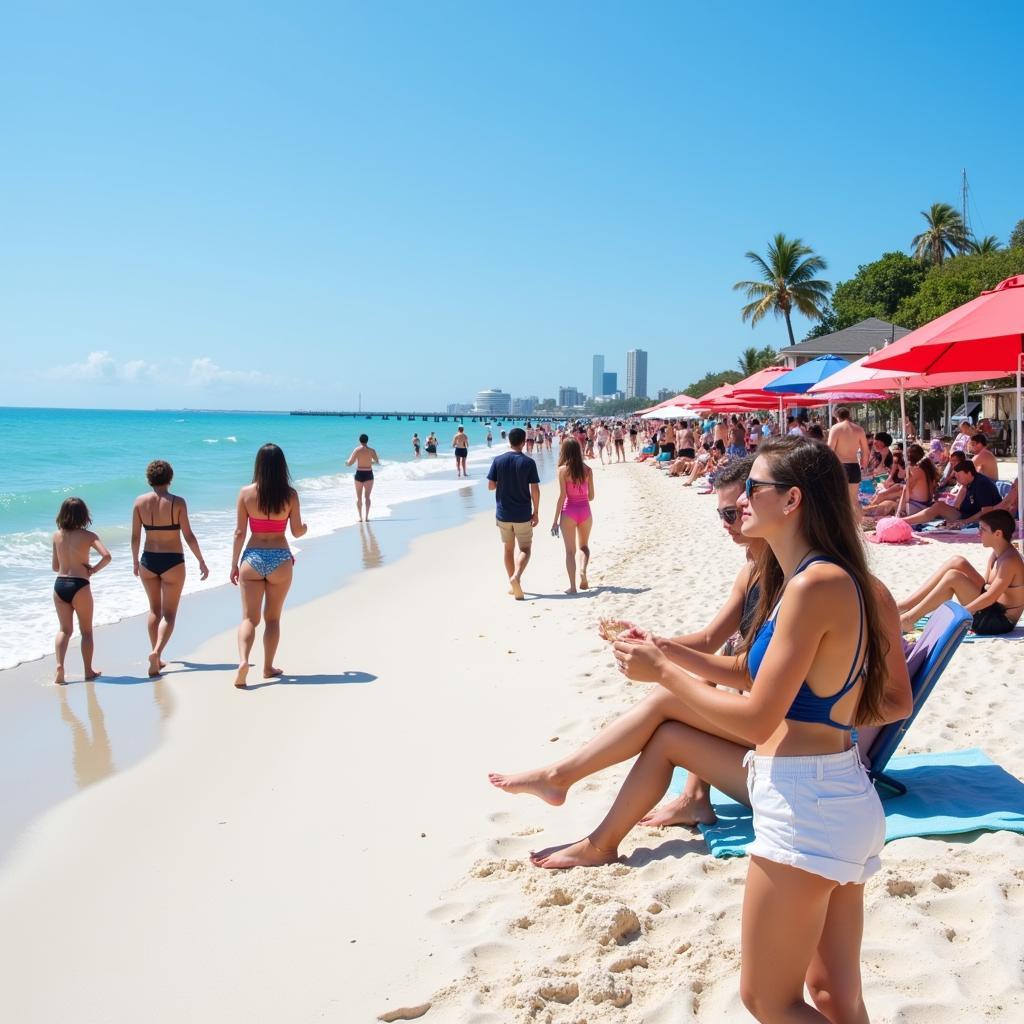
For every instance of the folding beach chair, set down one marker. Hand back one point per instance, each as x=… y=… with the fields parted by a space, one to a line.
x=942 y=635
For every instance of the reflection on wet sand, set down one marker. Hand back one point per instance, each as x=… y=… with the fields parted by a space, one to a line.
x=162 y=698
x=91 y=756
x=372 y=557
x=468 y=494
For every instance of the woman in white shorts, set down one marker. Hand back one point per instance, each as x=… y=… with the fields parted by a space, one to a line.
x=811 y=674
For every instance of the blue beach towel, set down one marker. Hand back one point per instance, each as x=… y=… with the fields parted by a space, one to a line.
x=947 y=794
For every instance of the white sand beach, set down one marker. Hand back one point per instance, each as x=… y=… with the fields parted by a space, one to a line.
x=331 y=850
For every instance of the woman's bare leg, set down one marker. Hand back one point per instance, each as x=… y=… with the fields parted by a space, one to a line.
x=83 y=607
x=674 y=744
x=359 y=498
x=833 y=978
x=171 y=585
x=583 y=535
x=278 y=584
x=622 y=739
x=252 y=587
x=784 y=915
x=568 y=527
x=151 y=585
x=65 y=627
x=367 y=491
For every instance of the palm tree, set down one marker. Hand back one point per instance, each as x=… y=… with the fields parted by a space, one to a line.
x=946 y=234
x=983 y=246
x=787 y=282
x=753 y=359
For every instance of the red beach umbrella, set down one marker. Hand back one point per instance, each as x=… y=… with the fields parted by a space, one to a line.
x=985 y=334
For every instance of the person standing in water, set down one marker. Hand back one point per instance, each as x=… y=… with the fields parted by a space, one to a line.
x=72 y=595
x=364 y=457
x=572 y=510
x=416 y=446
x=161 y=566
x=490 y=437
x=461 y=445
x=263 y=570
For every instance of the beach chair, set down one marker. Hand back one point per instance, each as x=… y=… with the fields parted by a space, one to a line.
x=942 y=635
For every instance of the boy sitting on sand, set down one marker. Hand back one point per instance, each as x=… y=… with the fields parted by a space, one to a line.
x=996 y=599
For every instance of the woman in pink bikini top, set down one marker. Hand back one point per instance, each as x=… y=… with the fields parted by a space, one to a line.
x=572 y=511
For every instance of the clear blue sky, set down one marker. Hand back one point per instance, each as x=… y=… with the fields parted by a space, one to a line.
x=259 y=205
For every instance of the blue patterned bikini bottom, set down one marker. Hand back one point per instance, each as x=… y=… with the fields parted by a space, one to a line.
x=266 y=560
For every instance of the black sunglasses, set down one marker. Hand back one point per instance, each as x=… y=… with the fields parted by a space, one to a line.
x=752 y=485
x=728 y=515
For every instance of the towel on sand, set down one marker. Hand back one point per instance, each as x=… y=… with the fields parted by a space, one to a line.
x=947 y=794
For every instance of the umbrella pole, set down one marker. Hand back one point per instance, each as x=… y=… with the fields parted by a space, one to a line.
x=906 y=479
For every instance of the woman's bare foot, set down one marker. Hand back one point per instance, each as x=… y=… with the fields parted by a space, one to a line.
x=583 y=854
x=572 y=590
x=517 y=590
x=155 y=665
x=536 y=783
x=683 y=810
x=584 y=585
x=91 y=674
x=58 y=678
x=241 y=676
x=272 y=673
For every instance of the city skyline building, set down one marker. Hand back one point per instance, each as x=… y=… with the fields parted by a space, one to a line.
x=525 y=406
x=568 y=397
x=609 y=384
x=493 y=402
x=597 y=377
x=636 y=373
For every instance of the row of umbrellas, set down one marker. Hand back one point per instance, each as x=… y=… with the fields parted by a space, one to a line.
x=980 y=340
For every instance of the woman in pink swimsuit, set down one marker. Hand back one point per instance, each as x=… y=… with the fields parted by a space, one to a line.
x=572 y=510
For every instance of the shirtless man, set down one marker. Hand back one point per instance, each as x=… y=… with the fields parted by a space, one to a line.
x=460 y=442
x=848 y=440
x=686 y=446
x=416 y=445
x=73 y=545
x=984 y=461
x=996 y=600
x=364 y=457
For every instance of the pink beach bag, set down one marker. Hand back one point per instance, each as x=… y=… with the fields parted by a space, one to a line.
x=891 y=530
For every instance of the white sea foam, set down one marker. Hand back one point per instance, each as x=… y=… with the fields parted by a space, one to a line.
x=328 y=504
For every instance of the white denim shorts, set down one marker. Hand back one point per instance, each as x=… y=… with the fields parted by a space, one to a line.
x=820 y=814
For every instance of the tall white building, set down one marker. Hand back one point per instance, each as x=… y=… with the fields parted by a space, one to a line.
x=636 y=373
x=493 y=402
x=597 y=383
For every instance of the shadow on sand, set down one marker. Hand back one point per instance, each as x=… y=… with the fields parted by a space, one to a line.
x=592 y=592
x=289 y=679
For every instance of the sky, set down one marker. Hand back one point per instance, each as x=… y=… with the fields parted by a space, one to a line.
x=308 y=205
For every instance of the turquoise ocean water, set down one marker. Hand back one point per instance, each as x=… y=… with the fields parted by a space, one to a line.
x=101 y=456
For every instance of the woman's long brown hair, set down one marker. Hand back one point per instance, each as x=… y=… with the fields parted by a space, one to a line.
x=272 y=479
x=571 y=455
x=829 y=527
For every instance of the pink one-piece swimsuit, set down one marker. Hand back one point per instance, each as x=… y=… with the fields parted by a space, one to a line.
x=577 y=501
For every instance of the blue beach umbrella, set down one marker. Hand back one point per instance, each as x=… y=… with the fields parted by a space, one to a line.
x=804 y=377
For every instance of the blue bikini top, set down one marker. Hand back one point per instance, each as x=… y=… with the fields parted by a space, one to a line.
x=807 y=706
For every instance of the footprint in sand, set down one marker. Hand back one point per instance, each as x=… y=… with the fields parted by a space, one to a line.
x=404 y=1013
x=901 y=888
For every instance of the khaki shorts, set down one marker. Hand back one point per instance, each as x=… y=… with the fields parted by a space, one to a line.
x=522 y=532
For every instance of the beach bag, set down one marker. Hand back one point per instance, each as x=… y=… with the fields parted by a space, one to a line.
x=891 y=530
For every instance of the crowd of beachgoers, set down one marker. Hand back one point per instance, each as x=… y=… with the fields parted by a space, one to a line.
x=825 y=641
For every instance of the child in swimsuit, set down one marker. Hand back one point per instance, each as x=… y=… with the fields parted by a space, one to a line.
x=72 y=595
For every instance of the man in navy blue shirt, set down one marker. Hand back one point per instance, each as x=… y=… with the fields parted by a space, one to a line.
x=977 y=494
x=514 y=477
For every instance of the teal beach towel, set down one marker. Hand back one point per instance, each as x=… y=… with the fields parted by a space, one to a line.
x=947 y=794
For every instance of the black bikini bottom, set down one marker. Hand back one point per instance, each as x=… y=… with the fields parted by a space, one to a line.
x=65 y=587
x=364 y=475
x=992 y=621
x=159 y=562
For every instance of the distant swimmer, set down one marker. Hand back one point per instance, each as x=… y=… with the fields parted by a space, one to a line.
x=416 y=445
x=262 y=571
x=161 y=566
x=503 y=435
x=72 y=595
x=490 y=437
x=364 y=457
x=460 y=442
x=431 y=443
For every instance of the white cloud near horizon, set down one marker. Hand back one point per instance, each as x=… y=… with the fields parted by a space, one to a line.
x=102 y=366
x=204 y=372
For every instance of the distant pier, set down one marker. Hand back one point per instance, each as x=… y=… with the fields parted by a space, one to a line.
x=425 y=417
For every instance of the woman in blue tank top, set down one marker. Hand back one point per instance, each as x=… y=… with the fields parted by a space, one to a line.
x=817 y=663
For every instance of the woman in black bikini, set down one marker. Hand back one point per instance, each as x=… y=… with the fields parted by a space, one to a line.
x=72 y=595
x=161 y=566
x=364 y=457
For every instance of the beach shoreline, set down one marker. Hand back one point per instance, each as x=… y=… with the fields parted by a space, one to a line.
x=334 y=851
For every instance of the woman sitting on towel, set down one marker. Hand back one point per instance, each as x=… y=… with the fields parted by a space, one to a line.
x=818 y=822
